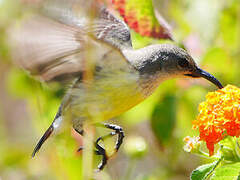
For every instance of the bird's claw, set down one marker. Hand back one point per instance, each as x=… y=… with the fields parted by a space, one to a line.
x=100 y=150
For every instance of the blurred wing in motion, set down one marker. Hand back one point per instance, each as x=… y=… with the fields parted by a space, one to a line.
x=57 y=43
x=46 y=48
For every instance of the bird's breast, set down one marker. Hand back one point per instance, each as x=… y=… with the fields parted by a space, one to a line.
x=115 y=88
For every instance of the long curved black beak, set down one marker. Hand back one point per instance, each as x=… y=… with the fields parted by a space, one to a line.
x=201 y=73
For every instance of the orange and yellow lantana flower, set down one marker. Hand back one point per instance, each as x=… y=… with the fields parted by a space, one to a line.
x=219 y=116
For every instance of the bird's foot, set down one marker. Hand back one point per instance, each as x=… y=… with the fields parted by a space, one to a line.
x=100 y=150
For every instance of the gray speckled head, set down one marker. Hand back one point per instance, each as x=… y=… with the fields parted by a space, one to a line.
x=165 y=61
x=163 y=58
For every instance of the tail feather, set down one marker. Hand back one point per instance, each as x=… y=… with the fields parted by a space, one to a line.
x=54 y=126
x=42 y=140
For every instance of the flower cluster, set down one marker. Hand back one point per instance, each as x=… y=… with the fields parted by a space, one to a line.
x=219 y=116
x=192 y=143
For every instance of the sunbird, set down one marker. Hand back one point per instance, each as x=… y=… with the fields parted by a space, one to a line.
x=84 y=45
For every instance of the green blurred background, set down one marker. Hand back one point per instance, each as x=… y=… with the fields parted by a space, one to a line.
x=153 y=147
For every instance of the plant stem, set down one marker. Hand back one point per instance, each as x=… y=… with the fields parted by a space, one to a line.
x=130 y=169
x=88 y=153
x=213 y=169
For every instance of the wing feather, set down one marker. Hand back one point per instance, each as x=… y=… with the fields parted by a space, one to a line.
x=41 y=43
x=55 y=44
x=112 y=30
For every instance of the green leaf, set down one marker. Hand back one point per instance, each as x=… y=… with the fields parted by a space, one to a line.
x=164 y=118
x=143 y=18
x=227 y=172
x=202 y=172
x=229 y=149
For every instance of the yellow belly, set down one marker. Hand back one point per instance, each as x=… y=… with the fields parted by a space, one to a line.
x=105 y=99
x=118 y=101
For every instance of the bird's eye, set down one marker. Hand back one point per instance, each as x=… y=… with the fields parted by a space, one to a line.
x=183 y=63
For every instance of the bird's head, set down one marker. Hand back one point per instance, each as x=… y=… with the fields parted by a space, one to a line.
x=172 y=61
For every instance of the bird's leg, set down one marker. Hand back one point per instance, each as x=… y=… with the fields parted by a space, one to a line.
x=100 y=138
x=117 y=130
x=100 y=150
